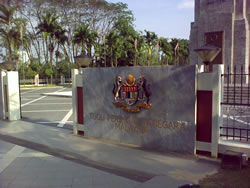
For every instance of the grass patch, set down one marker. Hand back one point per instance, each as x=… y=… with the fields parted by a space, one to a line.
x=228 y=179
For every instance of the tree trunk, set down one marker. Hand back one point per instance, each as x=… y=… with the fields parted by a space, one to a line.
x=111 y=57
x=10 y=51
x=115 y=61
x=148 y=59
x=65 y=52
x=51 y=79
x=46 y=60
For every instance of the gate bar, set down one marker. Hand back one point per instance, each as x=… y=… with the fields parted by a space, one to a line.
x=241 y=84
x=248 y=85
x=228 y=80
x=234 y=82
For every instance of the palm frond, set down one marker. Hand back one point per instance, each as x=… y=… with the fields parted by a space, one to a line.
x=2 y=21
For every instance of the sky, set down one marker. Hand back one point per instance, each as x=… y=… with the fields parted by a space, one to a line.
x=167 y=18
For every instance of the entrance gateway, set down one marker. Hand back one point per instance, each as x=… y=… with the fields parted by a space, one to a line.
x=167 y=115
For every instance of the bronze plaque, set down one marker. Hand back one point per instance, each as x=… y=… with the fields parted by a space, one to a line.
x=215 y=39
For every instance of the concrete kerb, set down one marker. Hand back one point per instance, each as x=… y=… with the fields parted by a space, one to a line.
x=132 y=174
x=40 y=86
x=129 y=162
x=67 y=94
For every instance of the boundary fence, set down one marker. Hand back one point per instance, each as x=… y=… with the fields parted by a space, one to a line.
x=236 y=105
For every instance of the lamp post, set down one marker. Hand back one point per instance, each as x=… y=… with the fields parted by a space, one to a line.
x=77 y=91
x=83 y=60
x=8 y=66
x=207 y=54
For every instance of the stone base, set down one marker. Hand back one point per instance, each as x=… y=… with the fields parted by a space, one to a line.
x=232 y=160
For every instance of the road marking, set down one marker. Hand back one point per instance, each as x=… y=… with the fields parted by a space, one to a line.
x=60 y=90
x=65 y=119
x=32 y=101
x=39 y=98
x=35 y=154
x=245 y=116
x=45 y=111
x=53 y=122
x=236 y=119
x=10 y=156
x=32 y=96
x=48 y=103
x=57 y=98
x=30 y=91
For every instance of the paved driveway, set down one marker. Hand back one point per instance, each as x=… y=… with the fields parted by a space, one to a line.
x=46 y=110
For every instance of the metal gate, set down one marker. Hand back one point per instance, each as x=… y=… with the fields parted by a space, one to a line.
x=236 y=105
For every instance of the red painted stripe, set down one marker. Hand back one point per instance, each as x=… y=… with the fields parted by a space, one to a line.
x=80 y=117
x=204 y=116
x=6 y=98
x=205 y=153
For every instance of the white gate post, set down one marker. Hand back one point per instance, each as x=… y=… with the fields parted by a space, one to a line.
x=62 y=79
x=37 y=80
x=212 y=81
x=2 y=106
x=77 y=81
x=10 y=96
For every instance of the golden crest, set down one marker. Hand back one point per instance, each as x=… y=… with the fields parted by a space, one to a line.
x=130 y=94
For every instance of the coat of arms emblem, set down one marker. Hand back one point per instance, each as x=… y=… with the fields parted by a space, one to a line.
x=131 y=93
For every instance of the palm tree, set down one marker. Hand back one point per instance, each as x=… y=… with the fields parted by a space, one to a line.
x=184 y=51
x=111 y=43
x=91 y=41
x=150 y=43
x=81 y=35
x=9 y=31
x=166 y=49
x=48 y=26
x=118 y=50
x=127 y=34
x=175 y=46
x=60 y=41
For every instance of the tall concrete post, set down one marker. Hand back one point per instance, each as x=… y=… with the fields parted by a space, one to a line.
x=74 y=72
x=2 y=107
x=77 y=101
x=211 y=83
x=10 y=96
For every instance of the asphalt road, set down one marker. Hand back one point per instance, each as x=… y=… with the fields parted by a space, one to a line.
x=46 y=110
x=237 y=117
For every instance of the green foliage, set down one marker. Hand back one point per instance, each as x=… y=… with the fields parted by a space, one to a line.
x=31 y=73
x=22 y=69
x=63 y=67
x=9 y=30
x=125 y=45
x=48 y=24
x=80 y=36
x=49 y=72
x=35 y=65
x=54 y=31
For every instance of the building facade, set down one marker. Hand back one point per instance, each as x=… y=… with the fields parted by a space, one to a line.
x=225 y=24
